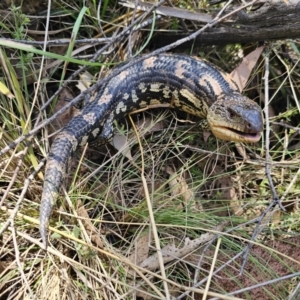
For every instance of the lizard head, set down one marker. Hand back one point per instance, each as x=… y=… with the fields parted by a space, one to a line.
x=235 y=118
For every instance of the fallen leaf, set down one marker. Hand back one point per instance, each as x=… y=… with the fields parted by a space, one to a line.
x=90 y=228
x=241 y=74
x=141 y=249
x=86 y=80
x=121 y=143
x=171 y=252
x=179 y=187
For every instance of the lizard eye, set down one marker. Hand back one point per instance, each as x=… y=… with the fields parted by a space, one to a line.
x=231 y=113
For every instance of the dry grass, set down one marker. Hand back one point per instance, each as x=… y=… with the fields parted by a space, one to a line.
x=103 y=234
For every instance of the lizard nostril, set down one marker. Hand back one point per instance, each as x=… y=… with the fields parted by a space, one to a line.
x=248 y=127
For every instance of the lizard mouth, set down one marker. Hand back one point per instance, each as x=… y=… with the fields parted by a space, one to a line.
x=231 y=134
x=252 y=137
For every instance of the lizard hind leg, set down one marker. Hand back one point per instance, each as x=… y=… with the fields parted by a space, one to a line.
x=106 y=135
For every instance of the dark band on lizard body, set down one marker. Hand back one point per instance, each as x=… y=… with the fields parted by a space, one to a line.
x=182 y=82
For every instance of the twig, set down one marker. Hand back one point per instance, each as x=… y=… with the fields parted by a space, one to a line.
x=61 y=42
x=21 y=197
x=131 y=31
x=255 y=233
x=151 y=216
x=276 y=200
x=13 y=178
x=17 y=258
x=297 y=129
x=213 y=274
x=271 y=282
x=211 y=269
x=99 y=18
x=296 y=293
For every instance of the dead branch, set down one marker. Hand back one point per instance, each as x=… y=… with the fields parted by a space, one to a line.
x=273 y=20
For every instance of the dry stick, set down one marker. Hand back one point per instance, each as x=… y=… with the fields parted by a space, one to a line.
x=213 y=274
x=296 y=292
x=198 y=267
x=276 y=200
x=182 y=23
x=26 y=183
x=291 y=184
x=151 y=215
x=256 y=231
x=211 y=269
x=17 y=258
x=60 y=42
x=215 y=21
x=21 y=197
x=287 y=126
x=130 y=32
x=13 y=179
x=99 y=18
x=249 y=288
